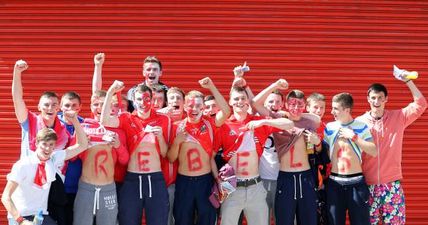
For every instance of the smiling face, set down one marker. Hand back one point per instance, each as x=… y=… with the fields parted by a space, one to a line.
x=377 y=101
x=97 y=106
x=194 y=107
x=175 y=100
x=48 y=107
x=210 y=108
x=143 y=102
x=44 y=149
x=239 y=101
x=151 y=73
x=316 y=107
x=340 y=113
x=274 y=102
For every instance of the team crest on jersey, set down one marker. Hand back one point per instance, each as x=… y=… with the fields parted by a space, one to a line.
x=232 y=133
x=203 y=128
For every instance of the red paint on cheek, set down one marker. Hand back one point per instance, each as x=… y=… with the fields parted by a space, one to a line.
x=292 y=163
x=100 y=160
x=147 y=102
x=194 y=161
x=241 y=164
x=143 y=161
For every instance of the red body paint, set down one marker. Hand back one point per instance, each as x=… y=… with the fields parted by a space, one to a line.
x=194 y=162
x=142 y=162
x=241 y=164
x=292 y=163
x=343 y=163
x=100 y=159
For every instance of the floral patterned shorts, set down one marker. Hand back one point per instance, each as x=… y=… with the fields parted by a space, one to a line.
x=387 y=204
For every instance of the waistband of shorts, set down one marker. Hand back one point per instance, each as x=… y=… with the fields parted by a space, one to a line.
x=135 y=176
x=346 y=175
x=91 y=187
x=290 y=174
x=347 y=180
x=195 y=178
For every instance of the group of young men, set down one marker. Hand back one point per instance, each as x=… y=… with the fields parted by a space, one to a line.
x=161 y=159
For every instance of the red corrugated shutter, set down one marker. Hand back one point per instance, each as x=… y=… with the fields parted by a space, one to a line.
x=324 y=46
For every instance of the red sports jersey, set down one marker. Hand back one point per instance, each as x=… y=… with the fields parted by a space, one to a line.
x=134 y=128
x=232 y=136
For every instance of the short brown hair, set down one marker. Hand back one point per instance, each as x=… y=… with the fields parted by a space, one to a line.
x=46 y=134
x=296 y=94
x=153 y=59
x=175 y=89
x=49 y=94
x=71 y=95
x=194 y=94
x=315 y=97
x=98 y=94
x=344 y=99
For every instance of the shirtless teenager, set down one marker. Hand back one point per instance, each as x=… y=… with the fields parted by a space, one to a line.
x=96 y=195
x=295 y=191
x=346 y=188
x=192 y=146
x=243 y=137
x=147 y=134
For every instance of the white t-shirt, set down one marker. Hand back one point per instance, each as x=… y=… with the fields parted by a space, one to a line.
x=29 y=198
x=269 y=162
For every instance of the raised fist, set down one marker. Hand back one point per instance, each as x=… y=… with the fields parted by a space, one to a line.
x=239 y=82
x=21 y=65
x=99 y=59
x=206 y=82
x=281 y=84
x=116 y=86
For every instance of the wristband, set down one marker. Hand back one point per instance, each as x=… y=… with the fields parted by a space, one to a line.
x=20 y=219
x=354 y=138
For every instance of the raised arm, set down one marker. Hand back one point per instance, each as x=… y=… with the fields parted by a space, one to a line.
x=259 y=100
x=280 y=123
x=224 y=112
x=82 y=140
x=21 y=110
x=97 y=79
x=106 y=118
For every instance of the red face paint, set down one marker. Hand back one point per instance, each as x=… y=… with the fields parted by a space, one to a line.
x=241 y=164
x=100 y=159
x=295 y=106
x=143 y=161
x=194 y=162
x=292 y=163
x=194 y=108
x=343 y=163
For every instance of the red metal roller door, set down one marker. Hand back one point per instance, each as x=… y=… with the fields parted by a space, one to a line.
x=328 y=46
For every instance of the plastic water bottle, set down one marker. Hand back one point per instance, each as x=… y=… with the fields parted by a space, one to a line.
x=38 y=219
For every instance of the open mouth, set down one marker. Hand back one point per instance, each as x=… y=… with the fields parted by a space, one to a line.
x=176 y=107
x=152 y=77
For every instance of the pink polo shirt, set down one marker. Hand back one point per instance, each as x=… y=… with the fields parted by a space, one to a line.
x=388 y=134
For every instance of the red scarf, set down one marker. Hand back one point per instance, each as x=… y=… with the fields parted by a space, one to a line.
x=35 y=123
x=40 y=178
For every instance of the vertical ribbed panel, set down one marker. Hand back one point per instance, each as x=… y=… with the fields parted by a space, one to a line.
x=324 y=46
